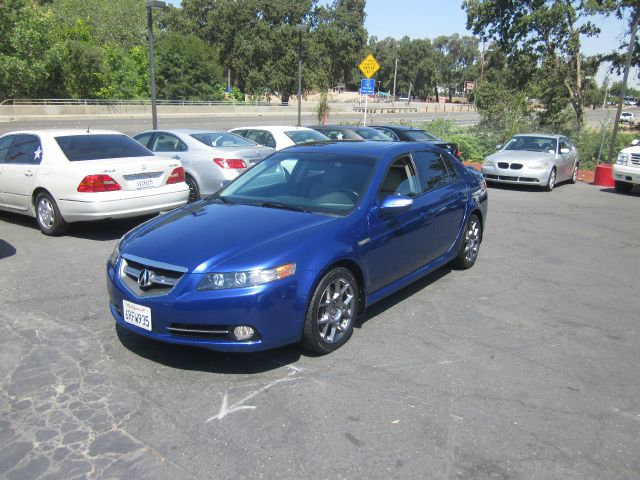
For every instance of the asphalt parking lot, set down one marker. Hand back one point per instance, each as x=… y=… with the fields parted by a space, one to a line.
x=525 y=366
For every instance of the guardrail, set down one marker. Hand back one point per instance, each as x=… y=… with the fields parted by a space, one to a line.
x=93 y=101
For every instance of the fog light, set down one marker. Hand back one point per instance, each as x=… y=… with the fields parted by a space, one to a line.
x=243 y=332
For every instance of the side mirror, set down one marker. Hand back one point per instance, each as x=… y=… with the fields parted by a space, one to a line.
x=499 y=146
x=564 y=150
x=395 y=204
x=224 y=183
x=635 y=142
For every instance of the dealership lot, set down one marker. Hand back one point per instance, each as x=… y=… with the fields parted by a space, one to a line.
x=524 y=366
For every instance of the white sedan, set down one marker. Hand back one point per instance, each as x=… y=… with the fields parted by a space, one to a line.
x=65 y=176
x=279 y=137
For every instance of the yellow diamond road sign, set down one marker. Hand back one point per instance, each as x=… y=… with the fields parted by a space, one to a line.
x=369 y=66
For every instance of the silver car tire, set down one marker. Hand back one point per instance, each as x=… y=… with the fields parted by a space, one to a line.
x=552 y=180
x=574 y=174
x=48 y=216
x=470 y=243
x=194 y=191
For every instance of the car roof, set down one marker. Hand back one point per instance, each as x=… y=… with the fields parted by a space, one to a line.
x=184 y=131
x=544 y=135
x=343 y=127
x=403 y=128
x=273 y=128
x=359 y=147
x=63 y=132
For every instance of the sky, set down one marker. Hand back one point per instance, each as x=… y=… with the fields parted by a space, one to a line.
x=432 y=18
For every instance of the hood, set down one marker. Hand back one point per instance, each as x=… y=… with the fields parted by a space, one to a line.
x=521 y=156
x=202 y=235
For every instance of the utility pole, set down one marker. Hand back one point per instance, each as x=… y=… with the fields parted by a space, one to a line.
x=606 y=89
x=395 y=74
x=627 y=67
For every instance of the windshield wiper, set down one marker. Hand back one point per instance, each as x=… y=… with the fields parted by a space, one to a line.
x=284 y=206
x=221 y=198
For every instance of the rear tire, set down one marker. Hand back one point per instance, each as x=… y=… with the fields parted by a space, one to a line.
x=470 y=244
x=48 y=216
x=332 y=312
x=623 y=187
x=574 y=174
x=194 y=191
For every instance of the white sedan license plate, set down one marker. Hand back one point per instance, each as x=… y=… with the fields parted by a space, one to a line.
x=137 y=315
x=144 y=183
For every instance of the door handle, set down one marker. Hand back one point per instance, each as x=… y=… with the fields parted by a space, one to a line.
x=176 y=157
x=28 y=173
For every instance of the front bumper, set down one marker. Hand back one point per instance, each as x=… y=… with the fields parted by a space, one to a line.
x=100 y=206
x=626 y=173
x=275 y=310
x=523 y=176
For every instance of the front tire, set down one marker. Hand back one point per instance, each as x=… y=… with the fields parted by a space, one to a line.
x=332 y=312
x=48 y=216
x=623 y=187
x=470 y=245
x=552 y=180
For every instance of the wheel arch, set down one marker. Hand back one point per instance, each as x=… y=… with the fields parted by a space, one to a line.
x=34 y=195
x=355 y=270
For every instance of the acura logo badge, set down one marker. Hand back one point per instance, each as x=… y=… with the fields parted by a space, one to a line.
x=145 y=279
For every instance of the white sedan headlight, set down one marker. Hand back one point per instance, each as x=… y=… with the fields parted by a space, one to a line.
x=220 y=281
x=623 y=159
x=488 y=163
x=538 y=165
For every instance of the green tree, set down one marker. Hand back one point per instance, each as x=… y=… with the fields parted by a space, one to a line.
x=456 y=61
x=186 y=68
x=547 y=30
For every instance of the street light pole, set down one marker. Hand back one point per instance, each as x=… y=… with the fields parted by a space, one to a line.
x=151 y=4
x=301 y=28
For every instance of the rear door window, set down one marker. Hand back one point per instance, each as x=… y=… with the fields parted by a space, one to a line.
x=434 y=172
x=5 y=146
x=25 y=150
x=165 y=142
x=144 y=138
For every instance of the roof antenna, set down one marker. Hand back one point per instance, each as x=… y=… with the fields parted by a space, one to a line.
x=89 y=128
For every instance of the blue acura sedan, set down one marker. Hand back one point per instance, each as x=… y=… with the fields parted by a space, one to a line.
x=297 y=246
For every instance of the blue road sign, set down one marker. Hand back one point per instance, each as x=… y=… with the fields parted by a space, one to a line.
x=367 y=86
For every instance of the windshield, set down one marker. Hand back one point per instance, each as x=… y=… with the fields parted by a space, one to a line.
x=421 y=136
x=306 y=136
x=373 y=134
x=532 y=144
x=311 y=182
x=222 y=139
x=100 y=147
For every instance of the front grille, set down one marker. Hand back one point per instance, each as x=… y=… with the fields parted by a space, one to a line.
x=635 y=159
x=509 y=178
x=162 y=278
x=503 y=165
x=516 y=166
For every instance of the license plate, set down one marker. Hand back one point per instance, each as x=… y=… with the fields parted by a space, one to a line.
x=137 y=315
x=144 y=183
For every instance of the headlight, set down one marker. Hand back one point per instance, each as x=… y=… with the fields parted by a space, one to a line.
x=115 y=255
x=487 y=163
x=623 y=159
x=219 y=281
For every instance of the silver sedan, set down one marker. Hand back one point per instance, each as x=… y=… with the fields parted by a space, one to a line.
x=209 y=157
x=533 y=159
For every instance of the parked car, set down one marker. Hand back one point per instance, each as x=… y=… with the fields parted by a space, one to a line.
x=626 y=170
x=627 y=117
x=65 y=176
x=297 y=246
x=209 y=157
x=280 y=137
x=403 y=133
x=351 y=132
x=533 y=159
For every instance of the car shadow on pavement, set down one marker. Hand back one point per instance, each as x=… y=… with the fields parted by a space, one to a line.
x=184 y=357
x=634 y=192
x=105 y=230
x=6 y=249
x=401 y=295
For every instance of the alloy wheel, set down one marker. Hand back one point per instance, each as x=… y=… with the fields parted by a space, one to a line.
x=472 y=240
x=336 y=310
